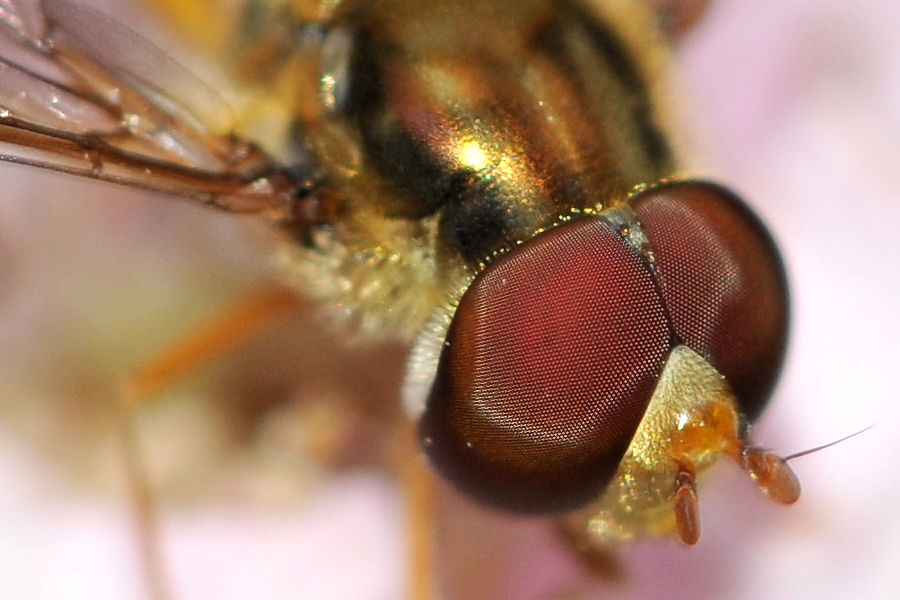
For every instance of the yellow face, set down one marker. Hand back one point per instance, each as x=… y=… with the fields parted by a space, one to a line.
x=408 y=153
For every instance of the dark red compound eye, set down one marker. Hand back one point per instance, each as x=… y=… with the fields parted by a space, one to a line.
x=555 y=349
x=550 y=361
x=723 y=283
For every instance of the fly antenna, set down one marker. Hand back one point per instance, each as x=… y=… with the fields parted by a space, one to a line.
x=828 y=445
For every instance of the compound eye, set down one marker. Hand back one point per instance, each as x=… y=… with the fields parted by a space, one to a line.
x=548 y=367
x=723 y=282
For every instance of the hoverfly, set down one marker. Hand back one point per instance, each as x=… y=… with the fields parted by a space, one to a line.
x=420 y=171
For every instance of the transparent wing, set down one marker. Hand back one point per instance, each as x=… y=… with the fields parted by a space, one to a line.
x=81 y=94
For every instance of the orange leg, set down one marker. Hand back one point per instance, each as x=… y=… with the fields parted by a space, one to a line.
x=237 y=324
x=250 y=315
x=419 y=487
x=600 y=559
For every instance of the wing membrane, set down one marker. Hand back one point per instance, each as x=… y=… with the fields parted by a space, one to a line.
x=89 y=103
